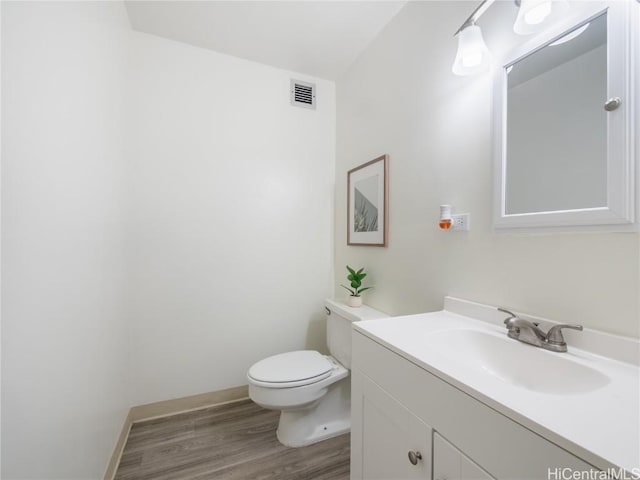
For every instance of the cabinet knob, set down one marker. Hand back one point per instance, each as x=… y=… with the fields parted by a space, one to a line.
x=414 y=457
x=612 y=104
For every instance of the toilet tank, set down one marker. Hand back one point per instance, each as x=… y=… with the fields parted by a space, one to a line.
x=339 y=319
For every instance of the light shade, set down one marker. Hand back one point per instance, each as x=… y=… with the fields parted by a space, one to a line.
x=571 y=35
x=473 y=55
x=534 y=14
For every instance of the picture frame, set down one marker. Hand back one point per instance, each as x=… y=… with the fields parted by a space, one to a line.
x=368 y=203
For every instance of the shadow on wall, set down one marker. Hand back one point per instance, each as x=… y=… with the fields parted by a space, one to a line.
x=316 y=338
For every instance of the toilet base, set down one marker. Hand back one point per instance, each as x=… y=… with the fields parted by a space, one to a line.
x=328 y=417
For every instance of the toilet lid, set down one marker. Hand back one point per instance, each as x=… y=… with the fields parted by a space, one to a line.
x=303 y=366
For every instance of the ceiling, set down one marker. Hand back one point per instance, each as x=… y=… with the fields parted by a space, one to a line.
x=318 y=38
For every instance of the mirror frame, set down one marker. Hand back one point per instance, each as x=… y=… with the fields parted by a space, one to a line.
x=622 y=204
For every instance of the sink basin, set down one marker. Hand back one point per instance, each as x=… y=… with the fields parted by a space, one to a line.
x=516 y=363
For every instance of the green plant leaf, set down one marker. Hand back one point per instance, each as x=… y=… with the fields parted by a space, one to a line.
x=348 y=289
x=355 y=278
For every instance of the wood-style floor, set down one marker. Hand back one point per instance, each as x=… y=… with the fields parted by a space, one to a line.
x=234 y=441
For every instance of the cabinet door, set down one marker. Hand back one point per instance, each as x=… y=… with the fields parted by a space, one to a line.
x=449 y=463
x=388 y=434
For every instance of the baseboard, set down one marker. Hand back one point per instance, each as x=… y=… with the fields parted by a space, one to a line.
x=117 y=451
x=165 y=408
x=186 y=404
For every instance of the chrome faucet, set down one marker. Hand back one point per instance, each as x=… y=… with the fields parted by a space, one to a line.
x=529 y=332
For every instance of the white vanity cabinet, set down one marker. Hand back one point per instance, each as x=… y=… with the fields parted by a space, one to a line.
x=449 y=463
x=399 y=407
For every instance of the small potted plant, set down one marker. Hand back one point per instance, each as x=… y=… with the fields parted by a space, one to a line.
x=355 y=300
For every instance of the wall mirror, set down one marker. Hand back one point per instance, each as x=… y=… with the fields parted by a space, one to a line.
x=563 y=114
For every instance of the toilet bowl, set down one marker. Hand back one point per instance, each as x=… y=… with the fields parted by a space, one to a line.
x=312 y=391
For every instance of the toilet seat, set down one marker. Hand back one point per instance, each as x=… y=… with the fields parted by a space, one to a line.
x=291 y=369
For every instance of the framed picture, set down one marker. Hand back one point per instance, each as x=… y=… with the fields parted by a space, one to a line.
x=368 y=203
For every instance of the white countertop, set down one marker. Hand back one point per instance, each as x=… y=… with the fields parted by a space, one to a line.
x=601 y=426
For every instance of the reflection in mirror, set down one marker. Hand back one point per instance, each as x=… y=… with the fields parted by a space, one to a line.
x=556 y=148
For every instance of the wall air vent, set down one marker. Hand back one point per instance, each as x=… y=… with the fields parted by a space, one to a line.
x=303 y=94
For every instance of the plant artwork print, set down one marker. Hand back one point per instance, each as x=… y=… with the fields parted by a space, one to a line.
x=367 y=203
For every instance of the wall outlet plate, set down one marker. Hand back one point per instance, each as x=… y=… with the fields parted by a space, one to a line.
x=460 y=221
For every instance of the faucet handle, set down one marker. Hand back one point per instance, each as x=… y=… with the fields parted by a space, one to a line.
x=506 y=320
x=554 y=335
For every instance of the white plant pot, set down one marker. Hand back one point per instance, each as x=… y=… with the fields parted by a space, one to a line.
x=354 y=301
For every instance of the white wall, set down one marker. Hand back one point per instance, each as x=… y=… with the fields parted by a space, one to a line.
x=401 y=98
x=232 y=192
x=64 y=340
x=167 y=221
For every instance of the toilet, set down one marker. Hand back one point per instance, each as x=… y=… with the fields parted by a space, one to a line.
x=312 y=390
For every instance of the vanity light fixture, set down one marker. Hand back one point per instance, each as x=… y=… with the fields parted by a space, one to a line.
x=533 y=14
x=473 y=56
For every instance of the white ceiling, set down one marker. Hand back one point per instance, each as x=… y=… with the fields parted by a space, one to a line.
x=318 y=38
